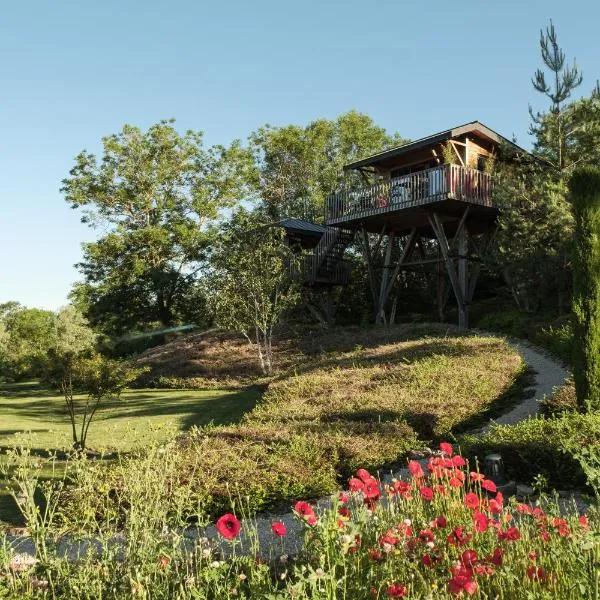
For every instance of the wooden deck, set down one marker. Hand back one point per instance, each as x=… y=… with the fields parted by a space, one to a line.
x=403 y=203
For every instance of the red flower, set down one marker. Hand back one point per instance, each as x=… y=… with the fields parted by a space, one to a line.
x=403 y=488
x=524 y=509
x=497 y=503
x=481 y=521
x=477 y=477
x=471 y=500
x=455 y=482
x=583 y=521
x=468 y=558
x=304 y=509
x=512 y=534
x=278 y=528
x=462 y=581
x=355 y=485
x=428 y=560
x=446 y=448
x=426 y=493
x=415 y=469
x=371 y=489
x=311 y=519
x=375 y=554
x=343 y=497
x=344 y=512
x=397 y=590
x=228 y=526
x=562 y=525
x=426 y=535
x=458 y=461
x=163 y=561
x=483 y=569
x=458 y=537
x=363 y=475
x=489 y=485
x=497 y=557
x=536 y=573
x=439 y=522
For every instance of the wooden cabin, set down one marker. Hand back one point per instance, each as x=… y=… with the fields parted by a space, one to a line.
x=433 y=192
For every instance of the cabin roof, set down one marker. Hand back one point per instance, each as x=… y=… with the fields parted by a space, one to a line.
x=301 y=226
x=474 y=127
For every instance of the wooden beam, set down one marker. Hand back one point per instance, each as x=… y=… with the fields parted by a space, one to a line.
x=405 y=254
x=368 y=259
x=387 y=264
x=438 y=229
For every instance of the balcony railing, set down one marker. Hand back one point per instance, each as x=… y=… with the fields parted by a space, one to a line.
x=423 y=187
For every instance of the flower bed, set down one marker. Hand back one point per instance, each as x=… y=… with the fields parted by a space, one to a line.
x=446 y=532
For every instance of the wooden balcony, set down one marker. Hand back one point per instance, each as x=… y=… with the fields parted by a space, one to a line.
x=432 y=186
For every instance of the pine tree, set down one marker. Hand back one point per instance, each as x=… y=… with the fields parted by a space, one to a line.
x=552 y=130
x=585 y=195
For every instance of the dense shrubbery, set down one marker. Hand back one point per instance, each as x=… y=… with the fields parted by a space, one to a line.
x=442 y=533
x=550 y=447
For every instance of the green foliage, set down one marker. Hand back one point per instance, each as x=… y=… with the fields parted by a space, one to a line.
x=546 y=446
x=298 y=167
x=156 y=194
x=585 y=195
x=251 y=284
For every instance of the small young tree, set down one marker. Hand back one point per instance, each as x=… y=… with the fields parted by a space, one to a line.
x=250 y=282
x=75 y=369
x=585 y=195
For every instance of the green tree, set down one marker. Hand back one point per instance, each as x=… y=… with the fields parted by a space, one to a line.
x=585 y=195
x=298 y=167
x=554 y=130
x=26 y=335
x=156 y=194
x=250 y=283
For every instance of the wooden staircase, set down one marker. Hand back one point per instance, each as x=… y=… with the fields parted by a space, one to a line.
x=328 y=265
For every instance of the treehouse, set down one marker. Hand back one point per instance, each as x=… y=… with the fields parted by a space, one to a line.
x=426 y=205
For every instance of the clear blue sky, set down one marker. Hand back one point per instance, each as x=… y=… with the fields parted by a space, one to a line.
x=74 y=71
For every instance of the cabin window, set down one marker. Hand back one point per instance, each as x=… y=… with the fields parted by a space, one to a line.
x=481 y=162
x=412 y=169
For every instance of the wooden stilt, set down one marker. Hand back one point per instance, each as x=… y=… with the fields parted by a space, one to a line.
x=385 y=276
x=463 y=278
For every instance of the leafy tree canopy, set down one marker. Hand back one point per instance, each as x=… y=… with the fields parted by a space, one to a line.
x=298 y=167
x=156 y=194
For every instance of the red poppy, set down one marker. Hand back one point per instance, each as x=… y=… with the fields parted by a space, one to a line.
x=388 y=538
x=536 y=573
x=477 y=477
x=439 y=522
x=483 y=569
x=278 y=528
x=532 y=555
x=512 y=534
x=426 y=493
x=228 y=526
x=489 y=485
x=304 y=509
x=562 y=526
x=471 y=500
x=468 y=558
x=480 y=521
x=428 y=560
x=363 y=475
x=458 y=461
x=163 y=561
x=311 y=519
x=403 y=488
x=446 y=448
x=415 y=468
x=397 y=590
x=524 y=509
x=371 y=488
x=355 y=485
x=497 y=557
x=544 y=535
x=462 y=581
x=583 y=521
x=344 y=512
x=375 y=554
x=404 y=529
x=343 y=497
x=458 y=537
x=426 y=535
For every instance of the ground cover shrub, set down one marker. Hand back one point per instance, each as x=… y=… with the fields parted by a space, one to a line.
x=367 y=405
x=562 y=400
x=444 y=532
x=547 y=446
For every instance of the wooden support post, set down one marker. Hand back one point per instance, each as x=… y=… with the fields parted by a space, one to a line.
x=406 y=252
x=463 y=278
x=385 y=275
x=368 y=260
x=440 y=234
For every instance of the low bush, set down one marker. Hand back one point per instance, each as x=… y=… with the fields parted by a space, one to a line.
x=547 y=446
x=561 y=401
x=442 y=533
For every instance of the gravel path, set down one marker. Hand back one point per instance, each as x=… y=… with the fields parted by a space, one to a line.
x=549 y=374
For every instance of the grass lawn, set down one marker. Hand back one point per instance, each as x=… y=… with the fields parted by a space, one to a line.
x=35 y=417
